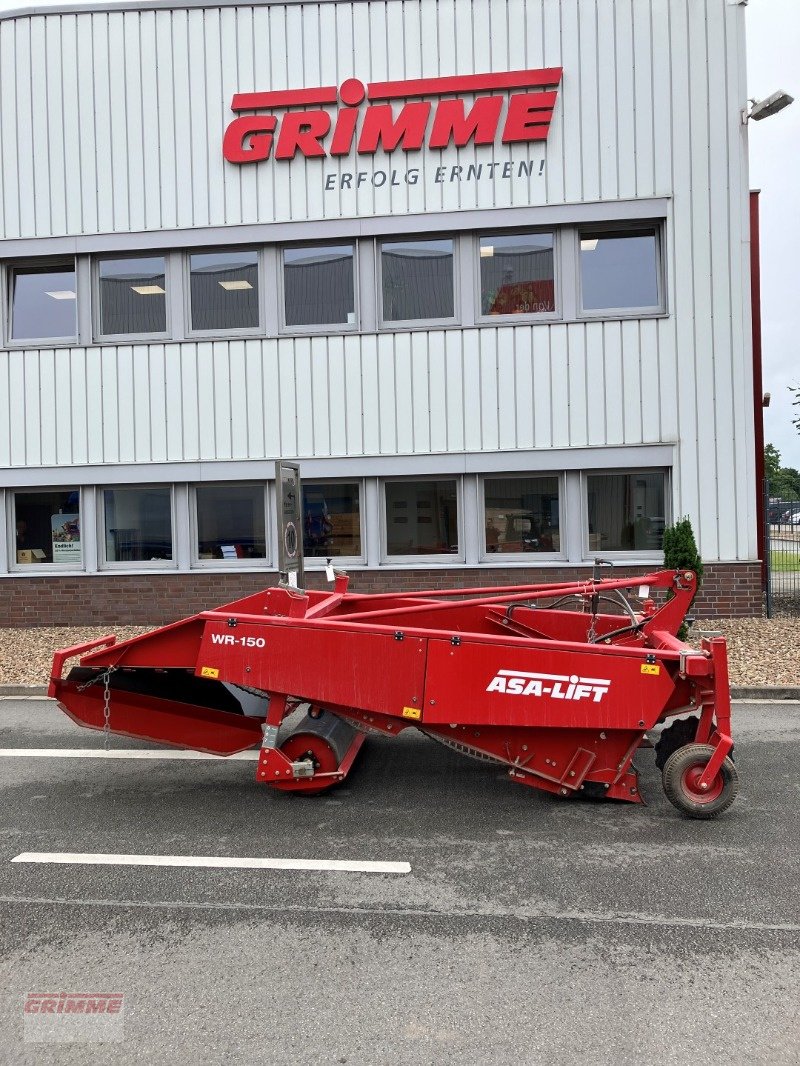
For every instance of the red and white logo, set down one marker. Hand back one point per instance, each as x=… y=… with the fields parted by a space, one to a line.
x=556 y=686
x=517 y=104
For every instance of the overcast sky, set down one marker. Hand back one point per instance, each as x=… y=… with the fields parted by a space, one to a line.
x=773 y=62
x=773 y=56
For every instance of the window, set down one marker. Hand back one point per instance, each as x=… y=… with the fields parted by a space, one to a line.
x=331 y=520
x=417 y=280
x=421 y=517
x=619 y=270
x=318 y=285
x=48 y=527
x=231 y=522
x=133 y=296
x=627 y=512
x=517 y=274
x=43 y=302
x=138 y=524
x=224 y=290
x=521 y=515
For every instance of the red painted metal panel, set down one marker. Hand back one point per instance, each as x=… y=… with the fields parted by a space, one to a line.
x=373 y=671
x=516 y=686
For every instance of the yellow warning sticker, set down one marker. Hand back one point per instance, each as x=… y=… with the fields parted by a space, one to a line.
x=651 y=668
x=412 y=712
x=209 y=671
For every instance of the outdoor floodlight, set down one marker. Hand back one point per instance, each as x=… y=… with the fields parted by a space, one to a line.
x=770 y=105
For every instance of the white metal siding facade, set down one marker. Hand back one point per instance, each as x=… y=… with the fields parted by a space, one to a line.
x=111 y=123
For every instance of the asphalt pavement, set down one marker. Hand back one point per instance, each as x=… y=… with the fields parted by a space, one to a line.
x=528 y=930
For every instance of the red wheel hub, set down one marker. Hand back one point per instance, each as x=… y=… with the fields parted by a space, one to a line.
x=301 y=746
x=691 y=784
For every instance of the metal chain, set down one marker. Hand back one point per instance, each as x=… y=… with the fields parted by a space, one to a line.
x=107 y=708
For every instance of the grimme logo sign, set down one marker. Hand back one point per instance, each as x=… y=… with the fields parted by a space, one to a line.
x=515 y=106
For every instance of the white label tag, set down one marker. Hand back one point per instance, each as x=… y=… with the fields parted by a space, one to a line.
x=329 y=573
x=293 y=578
x=644 y=592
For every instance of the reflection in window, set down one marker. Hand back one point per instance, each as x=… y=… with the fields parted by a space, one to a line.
x=224 y=290
x=421 y=518
x=138 y=524
x=230 y=522
x=517 y=274
x=619 y=270
x=132 y=296
x=417 y=280
x=318 y=285
x=627 y=512
x=44 y=302
x=331 y=519
x=48 y=527
x=521 y=514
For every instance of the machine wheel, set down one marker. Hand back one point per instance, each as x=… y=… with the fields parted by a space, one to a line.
x=323 y=742
x=677 y=735
x=681 y=774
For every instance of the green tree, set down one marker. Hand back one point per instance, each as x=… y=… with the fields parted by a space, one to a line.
x=772 y=465
x=795 y=391
x=680 y=553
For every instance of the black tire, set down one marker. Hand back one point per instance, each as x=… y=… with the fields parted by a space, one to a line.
x=687 y=763
x=678 y=735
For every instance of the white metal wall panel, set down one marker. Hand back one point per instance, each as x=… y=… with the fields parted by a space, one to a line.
x=113 y=123
x=121 y=114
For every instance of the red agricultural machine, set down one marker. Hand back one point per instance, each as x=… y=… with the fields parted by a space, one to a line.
x=559 y=683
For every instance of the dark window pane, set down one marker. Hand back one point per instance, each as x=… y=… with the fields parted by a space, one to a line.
x=318 y=285
x=517 y=274
x=521 y=514
x=230 y=522
x=619 y=270
x=138 y=524
x=133 y=296
x=626 y=511
x=417 y=279
x=44 y=302
x=48 y=527
x=331 y=520
x=421 y=518
x=224 y=290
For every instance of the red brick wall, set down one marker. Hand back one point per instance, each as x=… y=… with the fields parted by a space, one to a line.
x=729 y=590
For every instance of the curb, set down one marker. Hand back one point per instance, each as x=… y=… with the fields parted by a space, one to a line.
x=776 y=693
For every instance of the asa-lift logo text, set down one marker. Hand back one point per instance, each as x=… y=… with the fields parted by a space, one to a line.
x=556 y=686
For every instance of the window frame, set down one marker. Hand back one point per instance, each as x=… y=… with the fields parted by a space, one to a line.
x=319 y=562
x=528 y=317
x=140 y=565
x=416 y=561
x=195 y=562
x=11 y=527
x=6 y=282
x=124 y=338
x=517 y=557
x=621 y=229
x=407 y=324
x=186 y=280
x=323 y=329
x=618 y=554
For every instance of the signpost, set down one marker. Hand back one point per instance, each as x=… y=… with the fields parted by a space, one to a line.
x=290 y=523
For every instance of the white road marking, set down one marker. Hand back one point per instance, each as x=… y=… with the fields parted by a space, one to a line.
x=120 y=753
x=223 y=862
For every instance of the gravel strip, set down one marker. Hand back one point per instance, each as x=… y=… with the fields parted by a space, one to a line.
x=761 y=651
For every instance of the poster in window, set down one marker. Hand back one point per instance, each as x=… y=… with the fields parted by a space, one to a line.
x=66 y=538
